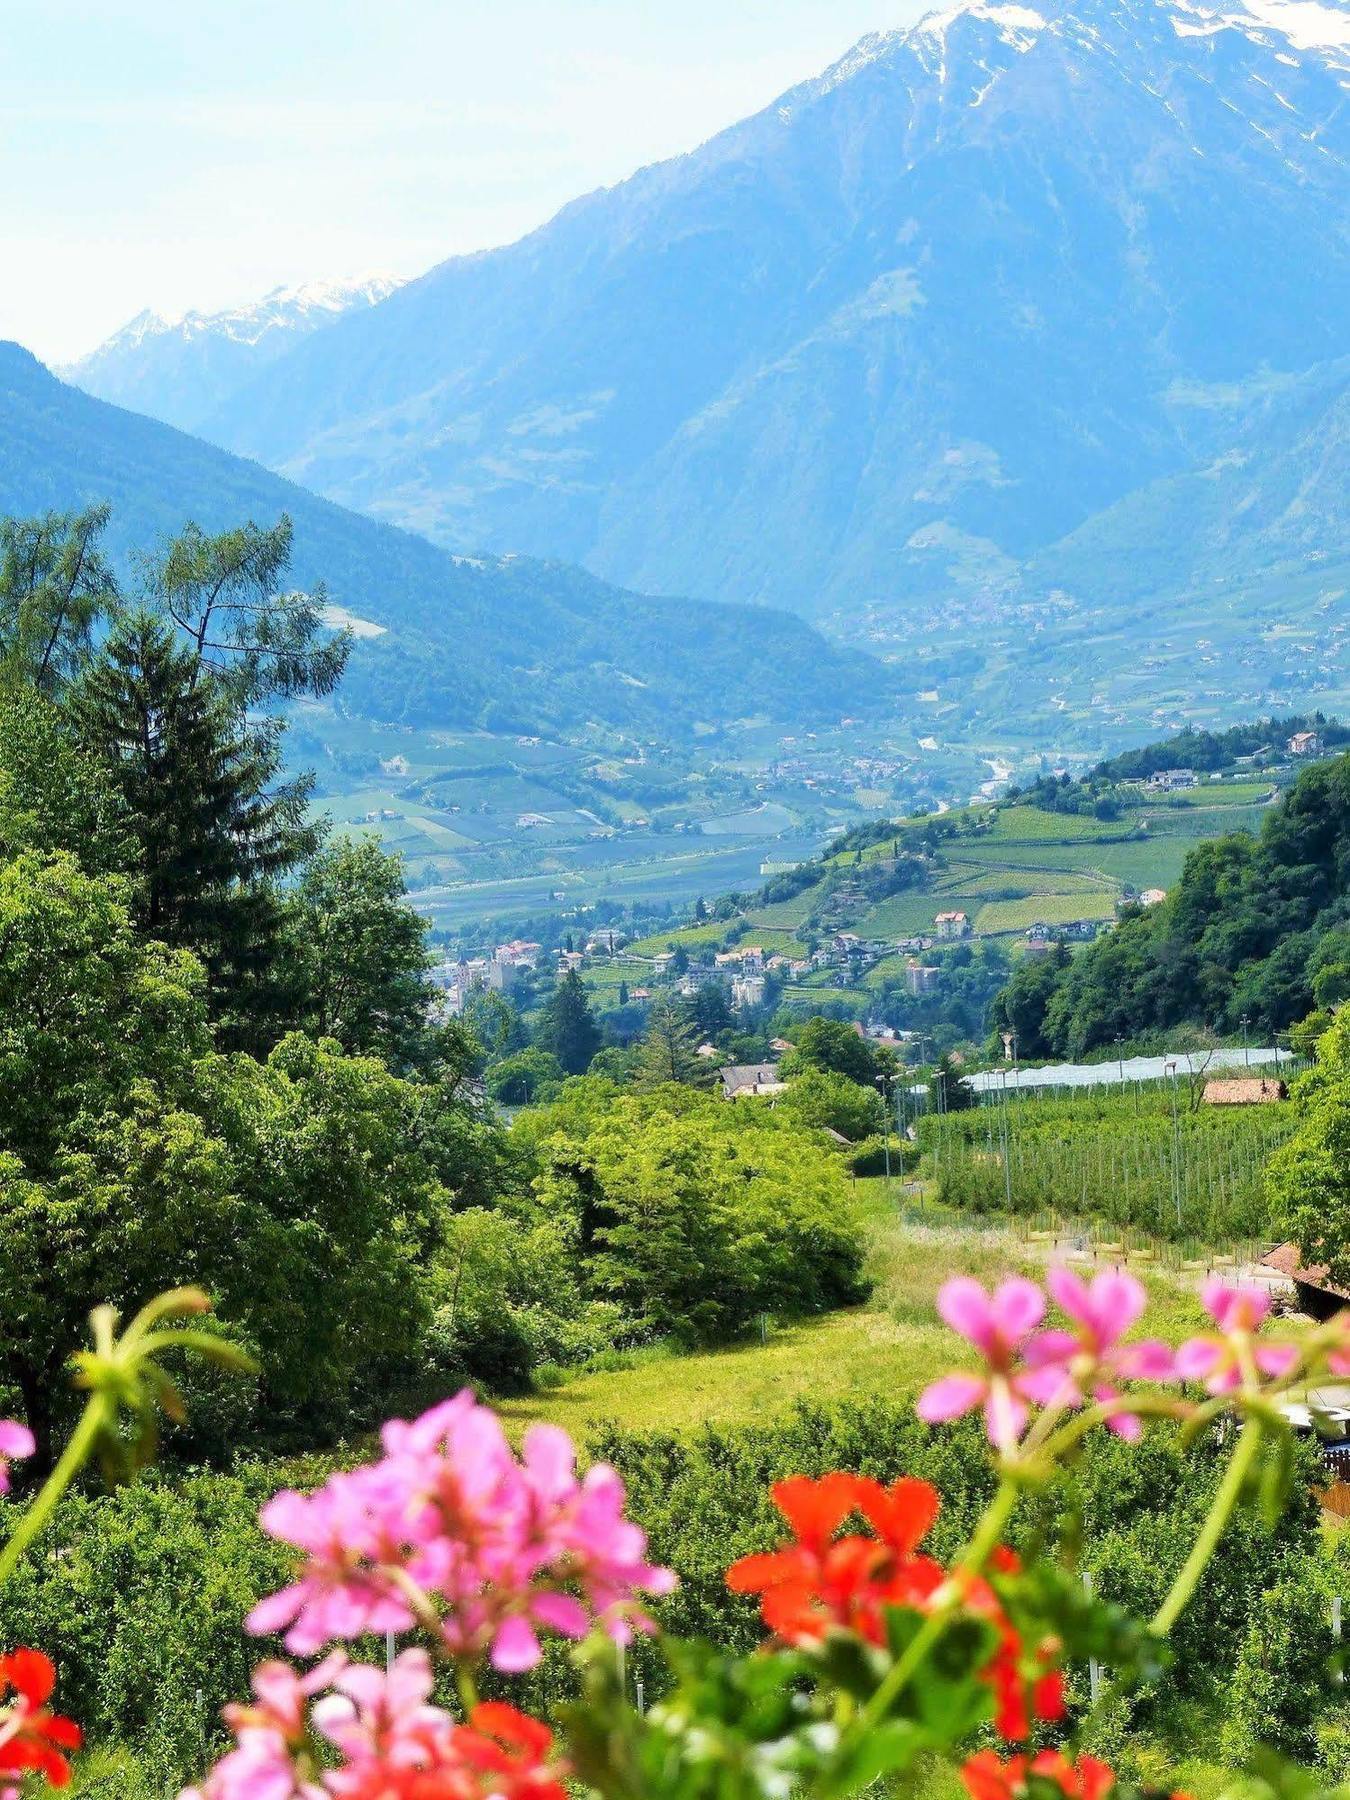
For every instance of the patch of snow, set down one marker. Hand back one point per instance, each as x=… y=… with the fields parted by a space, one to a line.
x=1307 y=24
x=1015 y=24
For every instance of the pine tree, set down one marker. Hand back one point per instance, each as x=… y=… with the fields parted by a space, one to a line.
x=668 y=1051
x=569 y=1028
x=225 y=596
x=55 y=587
x=214 y=828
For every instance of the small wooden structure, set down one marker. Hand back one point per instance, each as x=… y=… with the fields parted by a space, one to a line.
x=1317 y=1296
x=1245 y=1090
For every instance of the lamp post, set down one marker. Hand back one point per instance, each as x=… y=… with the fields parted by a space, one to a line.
x=1245 y=1021
x=1120 y=1058
x=885 y=1126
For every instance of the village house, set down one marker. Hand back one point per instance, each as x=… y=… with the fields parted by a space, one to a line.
x=740 y=1079
x=1171 y=781
x=1305 y=743
x=1316 y=1295
x=747 y=990
x=951 y=925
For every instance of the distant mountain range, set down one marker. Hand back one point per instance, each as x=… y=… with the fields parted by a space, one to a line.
x=183 y=369
x=511 y=643
x=1021 y=301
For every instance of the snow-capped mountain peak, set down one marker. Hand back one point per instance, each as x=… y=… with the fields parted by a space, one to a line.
x=180 y=366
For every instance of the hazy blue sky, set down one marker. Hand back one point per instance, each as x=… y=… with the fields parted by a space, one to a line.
x=179 y=153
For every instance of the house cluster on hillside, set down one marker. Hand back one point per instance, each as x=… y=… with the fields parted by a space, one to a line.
x=494 y=974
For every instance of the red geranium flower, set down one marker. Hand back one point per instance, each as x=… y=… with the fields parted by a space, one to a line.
x=1026 y=1685
x=31 y=1737
x=820 y=1582
x=511 y=1751
x=989 y=1777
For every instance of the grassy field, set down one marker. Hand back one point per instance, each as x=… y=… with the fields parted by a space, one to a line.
x=893 y=1344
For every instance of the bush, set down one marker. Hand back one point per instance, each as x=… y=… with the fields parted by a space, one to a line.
x=692 y=1216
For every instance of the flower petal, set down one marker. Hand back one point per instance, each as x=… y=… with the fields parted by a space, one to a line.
x=963 y=1304
x=1004 y=1415
x=1018 y=1307
x=950 y=1397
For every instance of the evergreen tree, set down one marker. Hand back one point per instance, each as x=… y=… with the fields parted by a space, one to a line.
x=55 y=586
x=214 y=828
x=623 y=993
x=569 y=1030
x=224 y=595
x=709 y=1011
x=668 y=1051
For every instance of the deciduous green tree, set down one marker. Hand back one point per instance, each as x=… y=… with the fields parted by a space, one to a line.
x=111 y=1189
x=834 y=1046
x=359 y=954
x=1308 y=1177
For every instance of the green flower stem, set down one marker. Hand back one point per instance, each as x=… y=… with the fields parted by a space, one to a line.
x=99 y=1413
x=971 y=1561
x=1248 y=1444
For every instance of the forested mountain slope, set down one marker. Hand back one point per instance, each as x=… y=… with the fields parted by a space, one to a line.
x=507 y=642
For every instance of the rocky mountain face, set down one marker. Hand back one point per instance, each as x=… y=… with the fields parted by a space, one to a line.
x=182 y=369
x=938 y=323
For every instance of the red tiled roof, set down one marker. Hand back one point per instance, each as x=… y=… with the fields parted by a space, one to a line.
x=1286 y=1260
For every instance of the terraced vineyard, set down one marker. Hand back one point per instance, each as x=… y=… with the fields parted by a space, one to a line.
x=1007 y=866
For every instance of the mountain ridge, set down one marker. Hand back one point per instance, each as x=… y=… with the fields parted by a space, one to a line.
x=179 y=367
x=948 y=291
x=508 y=642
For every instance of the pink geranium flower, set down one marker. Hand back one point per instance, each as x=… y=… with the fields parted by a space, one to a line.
x=1218 y=1359
x=346 y=1530
x=998 y=1325
x=268 y=1733
x=450 y=1522
x=379 y=1719
x=1094 y=1356
x=16 y=1441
